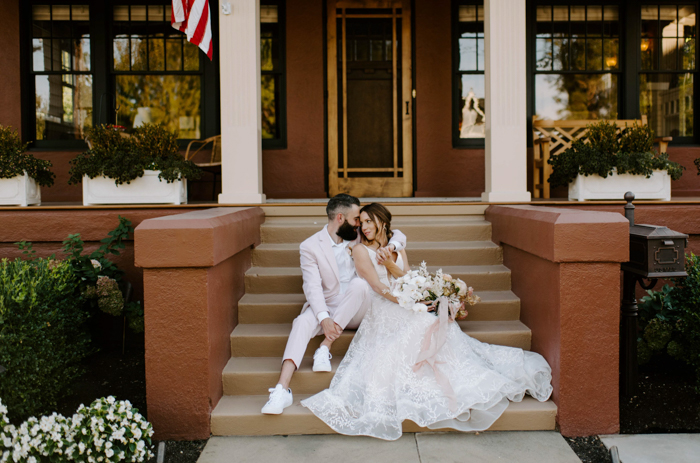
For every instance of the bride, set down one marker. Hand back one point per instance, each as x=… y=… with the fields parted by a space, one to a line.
x=376 y=388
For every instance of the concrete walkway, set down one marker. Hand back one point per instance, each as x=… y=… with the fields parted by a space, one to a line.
x=655 y=448
x=521 y=447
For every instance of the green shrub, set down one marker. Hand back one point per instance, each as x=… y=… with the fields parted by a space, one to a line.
x=632 y=153
x=15 y=161
x=42 y=334
x=670 y=318
x=150 y=147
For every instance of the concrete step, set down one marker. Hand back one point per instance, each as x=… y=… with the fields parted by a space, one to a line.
x=269 y=340
x=284 y=308
x=240 y=416
x=437 y=253
x=416 y=228
x=278 y=280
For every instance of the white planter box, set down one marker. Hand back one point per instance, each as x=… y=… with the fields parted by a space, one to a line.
x=614 y=187
x=21 y=190
x=148 y=189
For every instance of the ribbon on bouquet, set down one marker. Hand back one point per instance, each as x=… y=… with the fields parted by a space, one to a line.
x=435 y=338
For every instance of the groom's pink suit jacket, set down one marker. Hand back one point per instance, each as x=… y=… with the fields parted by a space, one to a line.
x=320 y=271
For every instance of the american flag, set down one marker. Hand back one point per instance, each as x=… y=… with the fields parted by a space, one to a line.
x=193 y=18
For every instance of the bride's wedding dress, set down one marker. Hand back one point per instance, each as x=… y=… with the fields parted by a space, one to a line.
x=375 y=387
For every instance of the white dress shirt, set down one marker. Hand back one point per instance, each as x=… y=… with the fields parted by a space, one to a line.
x=346 y=266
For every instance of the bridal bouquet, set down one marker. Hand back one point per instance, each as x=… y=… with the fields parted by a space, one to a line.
x=419 y=291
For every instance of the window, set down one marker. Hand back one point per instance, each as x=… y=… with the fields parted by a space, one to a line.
x=666 y=77
x=577 y=61
x=113 y=62
x=272 y=84
x=61 y=71
x=156 y=72
x=468 y=81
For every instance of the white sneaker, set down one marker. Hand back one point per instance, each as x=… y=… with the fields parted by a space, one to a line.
x=322 y=359
x=280 y=398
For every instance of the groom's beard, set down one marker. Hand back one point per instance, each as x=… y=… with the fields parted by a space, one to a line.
x=347 y=232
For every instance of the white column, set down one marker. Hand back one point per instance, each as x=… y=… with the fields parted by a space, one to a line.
x=506 y=110
x=241 y=137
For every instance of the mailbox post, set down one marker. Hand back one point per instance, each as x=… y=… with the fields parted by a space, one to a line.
x=655 y=252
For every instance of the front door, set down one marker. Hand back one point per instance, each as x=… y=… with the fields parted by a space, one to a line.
x=370 y=101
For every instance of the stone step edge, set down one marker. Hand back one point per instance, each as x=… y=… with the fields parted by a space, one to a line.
x=240 y=415
x=258 y=299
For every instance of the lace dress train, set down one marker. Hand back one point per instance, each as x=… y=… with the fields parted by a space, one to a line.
x=375 y=388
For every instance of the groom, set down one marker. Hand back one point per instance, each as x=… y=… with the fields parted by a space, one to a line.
x=336 y=297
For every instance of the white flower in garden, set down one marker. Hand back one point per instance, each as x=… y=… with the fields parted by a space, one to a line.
x=109 y=453
x=81 y=448
x=96 y=264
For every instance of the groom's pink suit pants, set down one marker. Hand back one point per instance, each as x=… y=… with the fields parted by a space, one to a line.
x=347 y=310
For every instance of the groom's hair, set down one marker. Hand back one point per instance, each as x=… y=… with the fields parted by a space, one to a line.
x=339 y=203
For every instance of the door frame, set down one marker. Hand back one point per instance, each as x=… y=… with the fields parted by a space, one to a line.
x=371 y=186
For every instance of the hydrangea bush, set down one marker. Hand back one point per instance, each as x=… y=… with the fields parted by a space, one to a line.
x=107 y=431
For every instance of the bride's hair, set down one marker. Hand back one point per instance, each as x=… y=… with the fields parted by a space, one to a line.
x=380 y=215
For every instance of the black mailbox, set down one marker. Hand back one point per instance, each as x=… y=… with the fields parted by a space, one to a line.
x=656 y=252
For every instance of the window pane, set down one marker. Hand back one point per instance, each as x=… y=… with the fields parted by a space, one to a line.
x=268 y=14
x=269 y=46
x=578 y=54
x=81 y=54
x=594 y=54
x=138 y=53
x=121 y=53
x=649 y=53
x=467 y=54
x=191 y=56
x=41 y=21
x=156 y=54
x=156 y=12
x=138 y=12
x=63 y=106
x=544 y=54
x=612 y=53
x=41 y=54
x=173 y=48
x=270 y=100
x=121 y=12
x=173 y=101
x=472 y=110
x=576 y=96
x=578 y=20
x=560 y=54
x=480 y=60
x=60 y=12
x=687 y=50
x=666 y=99
x=62 y=54
x=669 y=55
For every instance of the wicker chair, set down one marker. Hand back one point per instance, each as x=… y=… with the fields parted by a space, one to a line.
x=214 y=164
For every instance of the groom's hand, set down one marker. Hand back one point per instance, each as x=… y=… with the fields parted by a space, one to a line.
x=331 y=329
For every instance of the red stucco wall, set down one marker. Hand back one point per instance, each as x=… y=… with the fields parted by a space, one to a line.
x=441 y=169
x=10 y=102
x=298 y=171
x=565 y=266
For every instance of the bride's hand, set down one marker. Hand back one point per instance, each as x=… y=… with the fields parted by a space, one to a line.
x=384 y=256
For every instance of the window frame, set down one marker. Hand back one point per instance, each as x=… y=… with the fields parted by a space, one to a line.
x=457 y=142
x=104 y=77
x=279 y=143
x=630 y=59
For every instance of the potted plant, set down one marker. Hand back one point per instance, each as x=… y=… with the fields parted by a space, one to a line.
x=143 y=168
x=21 y=174
x=606 y=166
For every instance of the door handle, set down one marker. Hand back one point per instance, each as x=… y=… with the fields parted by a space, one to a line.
x=407 y=108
